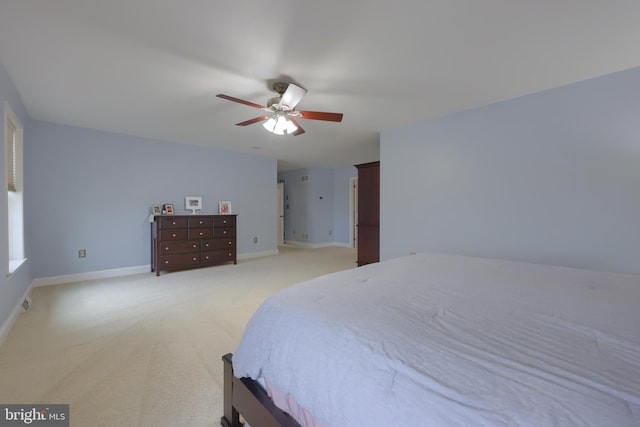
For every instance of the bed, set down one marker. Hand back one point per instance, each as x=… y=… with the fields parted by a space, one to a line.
x=442 y=340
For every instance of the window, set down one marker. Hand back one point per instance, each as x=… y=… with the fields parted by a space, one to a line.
x=15 y=214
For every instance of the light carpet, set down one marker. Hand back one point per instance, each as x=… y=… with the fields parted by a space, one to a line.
x=143 y=350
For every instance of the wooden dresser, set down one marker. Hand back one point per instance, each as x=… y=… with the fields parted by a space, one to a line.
x=192 y=241
x=368 y=213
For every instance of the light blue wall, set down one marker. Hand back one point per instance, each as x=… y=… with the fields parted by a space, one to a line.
x=552 y=177
x=12 y=288
x=93 y=190
x=318 y=207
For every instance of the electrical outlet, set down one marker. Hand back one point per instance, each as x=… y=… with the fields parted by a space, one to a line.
x=255 y=240
x=82 y=253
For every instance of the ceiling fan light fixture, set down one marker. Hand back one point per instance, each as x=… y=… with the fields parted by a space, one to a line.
x=279 y=125
x=279 y=115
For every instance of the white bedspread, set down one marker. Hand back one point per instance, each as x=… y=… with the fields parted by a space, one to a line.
x=444 y=340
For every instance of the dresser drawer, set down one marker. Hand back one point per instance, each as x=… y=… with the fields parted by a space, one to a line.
x=179 y=246
x=179 y=260
x=175 y=234
x=215 y=257
x=208 y=245
x=200 y=233
x=200 y=222
x=224 y=232
x=224 y=221
x=167 y=222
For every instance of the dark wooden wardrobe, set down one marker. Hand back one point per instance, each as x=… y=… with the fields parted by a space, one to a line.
x=368 y=213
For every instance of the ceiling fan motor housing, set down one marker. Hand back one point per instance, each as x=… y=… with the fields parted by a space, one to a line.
x=274 y=101
x=280 y=87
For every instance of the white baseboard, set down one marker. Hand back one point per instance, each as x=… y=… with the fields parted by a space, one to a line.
x=316 y=245
x=116 y=272
x=8 y=324
x=342 y=244
x=90 y=275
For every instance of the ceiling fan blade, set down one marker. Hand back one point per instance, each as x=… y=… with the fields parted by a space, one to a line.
x=252 y=121
x=319 y=115
x=241 y=101
x=298 y=131
x=292 y=95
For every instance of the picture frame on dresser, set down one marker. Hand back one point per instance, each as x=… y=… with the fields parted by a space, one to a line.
x=156 y=210
x=193 y=203
x=168 y=208
x=224 y=208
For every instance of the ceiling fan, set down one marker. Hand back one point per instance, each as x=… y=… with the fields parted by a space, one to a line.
x=280 y=115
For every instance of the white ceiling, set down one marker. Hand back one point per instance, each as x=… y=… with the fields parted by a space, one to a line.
x=152 y=68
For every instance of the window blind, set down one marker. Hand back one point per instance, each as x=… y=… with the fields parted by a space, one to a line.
x=11 y=156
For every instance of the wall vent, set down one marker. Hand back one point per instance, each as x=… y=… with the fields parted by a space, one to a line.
x=304 y=178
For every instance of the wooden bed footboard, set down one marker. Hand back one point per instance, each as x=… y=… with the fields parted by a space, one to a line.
x=244 y=396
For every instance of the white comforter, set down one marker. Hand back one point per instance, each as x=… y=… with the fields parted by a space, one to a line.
x=443 y=340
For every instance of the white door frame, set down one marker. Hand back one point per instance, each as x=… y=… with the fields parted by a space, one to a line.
x=353 y=212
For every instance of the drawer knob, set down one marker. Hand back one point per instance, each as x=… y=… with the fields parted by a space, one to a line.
x=174 y=235
x=167 y=248
x=166 y=262
x=224 y=221
x=229 y=242
x=173 y=222
x=224 y=232
x=201 y=233
x=195 y=246
x=201 y=222
x=229 y=253
x=195 y=258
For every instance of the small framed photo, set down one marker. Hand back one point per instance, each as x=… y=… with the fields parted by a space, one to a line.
x=193 y=203
x=168 y=209
x=156 y=210
x=224 y=208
